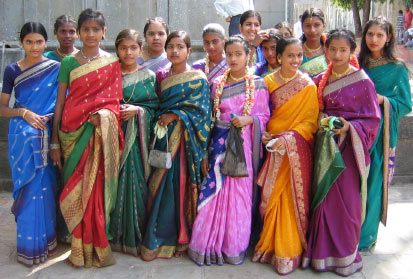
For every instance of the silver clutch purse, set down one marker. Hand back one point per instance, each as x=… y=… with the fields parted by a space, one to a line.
x=160 y=159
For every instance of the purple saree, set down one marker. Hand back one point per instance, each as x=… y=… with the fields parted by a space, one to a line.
x=336 y=220
x=214 y=72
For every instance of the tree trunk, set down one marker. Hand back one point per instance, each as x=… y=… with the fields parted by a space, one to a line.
x=356 y=17
x=366 y=11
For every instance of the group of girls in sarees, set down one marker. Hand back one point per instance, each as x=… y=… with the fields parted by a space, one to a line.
x=318 y=131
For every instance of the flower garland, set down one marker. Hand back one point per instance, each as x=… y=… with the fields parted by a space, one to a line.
x=249 y=95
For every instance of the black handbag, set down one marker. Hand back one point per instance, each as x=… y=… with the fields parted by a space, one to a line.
x=234 y=164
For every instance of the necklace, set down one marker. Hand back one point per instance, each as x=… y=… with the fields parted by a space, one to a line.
x=311 y=50
x=171 y=73
x=133 y=91
x=236 y=79
x=131 y=72
x=284 y=78
x=332 y=100
x=87 y=58
x=63 y=55
x=338 y=75
x=249 y=95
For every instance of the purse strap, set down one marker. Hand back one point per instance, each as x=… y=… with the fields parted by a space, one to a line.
x=156 y=136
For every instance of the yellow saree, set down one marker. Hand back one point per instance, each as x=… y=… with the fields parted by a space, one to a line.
x=286 y=179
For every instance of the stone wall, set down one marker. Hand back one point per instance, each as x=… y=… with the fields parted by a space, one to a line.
x=187 y=15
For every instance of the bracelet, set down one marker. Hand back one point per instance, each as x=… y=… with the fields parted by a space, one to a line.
x=24 y=113
x=54 y=146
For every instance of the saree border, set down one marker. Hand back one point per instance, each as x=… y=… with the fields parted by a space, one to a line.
x=286 y=91
x=386 y=156
x=345 y=81
x=238 y=88
x=213 y=73
x=94 y=65
x=283 y=265
x=38 y=69
x=314 y=65
x=183 y=78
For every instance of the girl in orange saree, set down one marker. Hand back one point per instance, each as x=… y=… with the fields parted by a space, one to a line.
x=89 y=139
x=285 y=176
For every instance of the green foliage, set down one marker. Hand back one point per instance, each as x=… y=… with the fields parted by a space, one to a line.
x=346 y=4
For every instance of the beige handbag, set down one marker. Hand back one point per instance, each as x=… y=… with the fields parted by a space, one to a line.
x=160 y=159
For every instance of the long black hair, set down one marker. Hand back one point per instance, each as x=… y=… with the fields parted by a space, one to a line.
x=284 y=42
x=388 y=49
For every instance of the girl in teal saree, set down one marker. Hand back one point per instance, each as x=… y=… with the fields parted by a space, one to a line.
x=138 y=105
x=314 y=59
x=185 y=110
x=391 y=79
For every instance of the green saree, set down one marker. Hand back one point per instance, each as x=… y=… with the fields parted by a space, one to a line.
x=128 y=220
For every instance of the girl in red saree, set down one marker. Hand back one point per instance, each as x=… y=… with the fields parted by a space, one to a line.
x=89 y=140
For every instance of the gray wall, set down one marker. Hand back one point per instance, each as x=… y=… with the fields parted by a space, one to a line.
x=190 y=15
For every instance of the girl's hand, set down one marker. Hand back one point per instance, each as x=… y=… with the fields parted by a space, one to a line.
x=278 y=145
x=266 y=137
x=35 y=120
x=204 y=167
x=259 y=37
x=167 y=118
x=94 y=119
x=321 y=115
x=241 y=121
x=127 y=111
x=56 y=156
x=345 y=128
x=380 y=99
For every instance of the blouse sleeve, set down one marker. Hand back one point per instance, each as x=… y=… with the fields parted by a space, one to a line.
x=65 y=68
x=8 y=79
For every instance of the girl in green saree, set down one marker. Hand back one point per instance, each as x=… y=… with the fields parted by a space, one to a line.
x=185 y=110
x=391 y=79
x=138 y=105
x=314 y=59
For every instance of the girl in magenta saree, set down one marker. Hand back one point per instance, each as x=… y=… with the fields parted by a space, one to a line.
x=341 y=162
x=222 y=229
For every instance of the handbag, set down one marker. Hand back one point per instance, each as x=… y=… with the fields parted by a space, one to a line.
x=234 y=164
x=160 y=159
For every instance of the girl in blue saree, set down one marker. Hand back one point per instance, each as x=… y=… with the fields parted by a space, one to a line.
x=268 y=47
x=214 y=63
x=185 y=110
x=34 y=80
x=391 y=79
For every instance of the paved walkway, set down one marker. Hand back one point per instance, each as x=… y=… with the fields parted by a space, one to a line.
x=391 y=258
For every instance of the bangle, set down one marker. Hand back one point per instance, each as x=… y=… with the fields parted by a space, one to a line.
x=54 y=146
x=24 y=113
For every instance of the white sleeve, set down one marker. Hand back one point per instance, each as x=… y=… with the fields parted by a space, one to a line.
x=220 y=6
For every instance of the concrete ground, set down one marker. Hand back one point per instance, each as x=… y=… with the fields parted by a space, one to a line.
x=392 y=258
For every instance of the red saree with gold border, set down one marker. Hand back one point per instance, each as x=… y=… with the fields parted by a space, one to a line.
x=91 y=158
